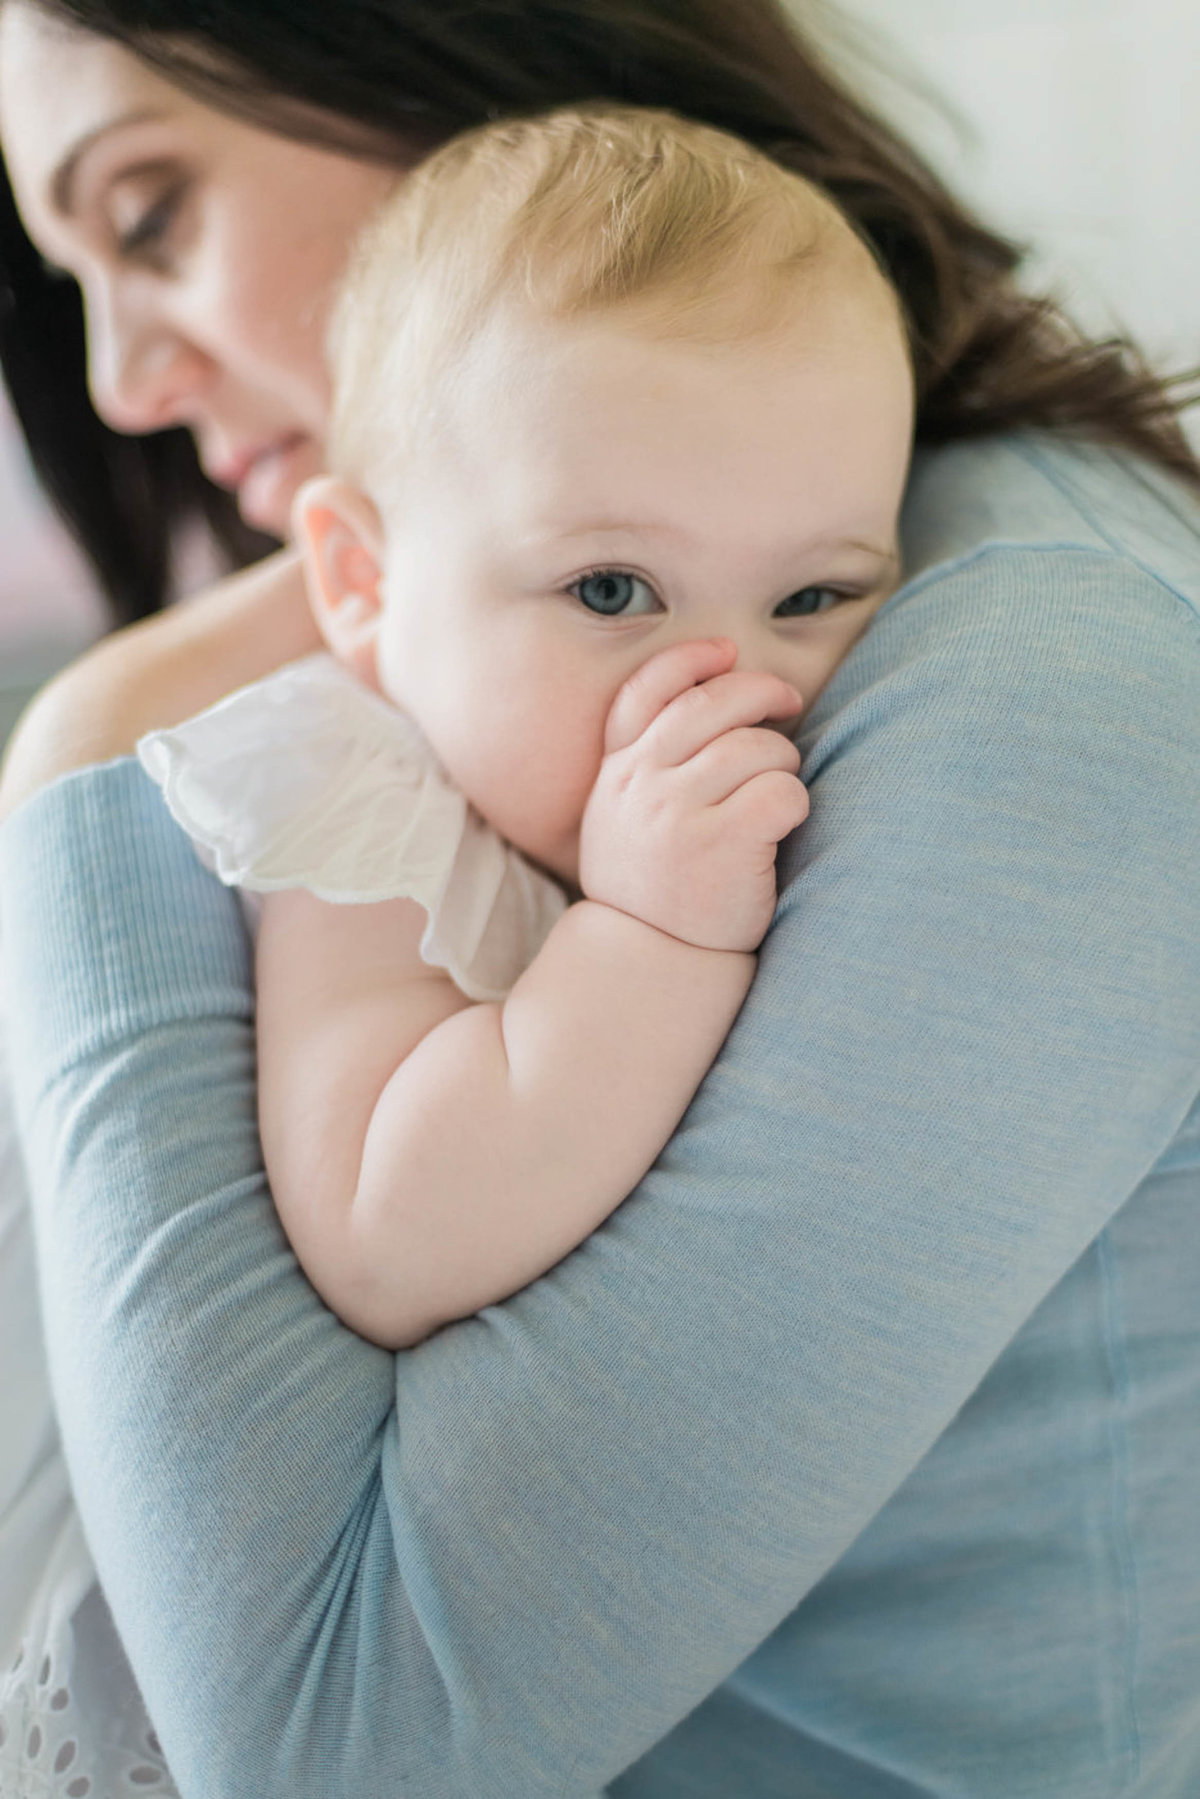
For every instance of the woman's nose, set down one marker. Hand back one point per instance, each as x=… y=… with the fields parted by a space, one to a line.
x=143 y=374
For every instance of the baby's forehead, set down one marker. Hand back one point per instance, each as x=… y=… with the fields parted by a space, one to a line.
x=525 y=372
x=609 y=407
x=755 y=315
x=668 y=232
x=607 y=414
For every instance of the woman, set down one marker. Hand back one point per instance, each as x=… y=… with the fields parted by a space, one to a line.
x=855 y=1454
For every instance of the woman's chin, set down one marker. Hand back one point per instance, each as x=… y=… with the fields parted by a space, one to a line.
x=265 y=494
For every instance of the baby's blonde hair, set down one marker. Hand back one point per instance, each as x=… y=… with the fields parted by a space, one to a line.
x=591 y=209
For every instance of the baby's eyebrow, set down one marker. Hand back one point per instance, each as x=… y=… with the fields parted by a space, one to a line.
x=887 y=554
x=607 y=527
x=558 y=531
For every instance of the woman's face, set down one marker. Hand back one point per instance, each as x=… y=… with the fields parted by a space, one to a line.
x=207 y=251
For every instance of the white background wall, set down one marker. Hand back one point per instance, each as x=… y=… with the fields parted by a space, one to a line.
x=1073 y=124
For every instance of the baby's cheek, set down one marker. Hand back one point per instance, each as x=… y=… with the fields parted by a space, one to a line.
x=545 y=803
x=529 y=752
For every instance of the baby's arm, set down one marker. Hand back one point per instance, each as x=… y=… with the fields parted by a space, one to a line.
x=389 y=1102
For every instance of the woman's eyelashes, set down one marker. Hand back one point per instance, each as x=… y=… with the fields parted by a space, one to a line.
x=147 y=237
x=617 y=593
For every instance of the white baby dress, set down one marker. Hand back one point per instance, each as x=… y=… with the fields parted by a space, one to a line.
x=308 y=779
x=305 y=779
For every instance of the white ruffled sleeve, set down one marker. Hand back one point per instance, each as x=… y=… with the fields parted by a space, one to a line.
x=307 y=779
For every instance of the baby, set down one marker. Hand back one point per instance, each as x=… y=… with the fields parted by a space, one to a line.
x=623 y=416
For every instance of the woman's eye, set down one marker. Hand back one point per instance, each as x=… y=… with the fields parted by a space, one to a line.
x=809 y=600
x=614 y=593
x=149 y=231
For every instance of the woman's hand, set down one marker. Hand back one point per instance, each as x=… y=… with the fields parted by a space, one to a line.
x=156 y=673
x=693 y=797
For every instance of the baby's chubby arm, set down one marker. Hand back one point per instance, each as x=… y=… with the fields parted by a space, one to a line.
x=430 y=1156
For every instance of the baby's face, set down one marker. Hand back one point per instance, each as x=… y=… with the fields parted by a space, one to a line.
x=604 y=496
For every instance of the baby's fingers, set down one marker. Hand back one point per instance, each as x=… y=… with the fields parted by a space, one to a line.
x=734 y=758
x=660 y=680
x=698 y=717
x=768 y=807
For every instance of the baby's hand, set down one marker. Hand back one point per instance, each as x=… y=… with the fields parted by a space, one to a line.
x=693 y=797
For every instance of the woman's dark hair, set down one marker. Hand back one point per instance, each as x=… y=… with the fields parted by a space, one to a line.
x=380 y=78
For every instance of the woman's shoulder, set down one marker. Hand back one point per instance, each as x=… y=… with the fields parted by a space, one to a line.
x=1033 y=492
x=155 y=673
x=1052 y=581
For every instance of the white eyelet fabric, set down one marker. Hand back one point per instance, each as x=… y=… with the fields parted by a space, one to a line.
x=72 y=1722
x=307 y=779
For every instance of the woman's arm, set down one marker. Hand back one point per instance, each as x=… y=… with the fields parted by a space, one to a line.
x=509 y=1561
x=156 y=673
x=429 y=1157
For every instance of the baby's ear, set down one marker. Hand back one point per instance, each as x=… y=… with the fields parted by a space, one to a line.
x=339 y=532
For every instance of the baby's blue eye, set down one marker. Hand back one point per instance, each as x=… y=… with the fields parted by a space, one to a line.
x=611 y=591
x=808 y=601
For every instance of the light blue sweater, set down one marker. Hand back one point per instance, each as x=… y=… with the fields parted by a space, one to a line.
x=858 y=1455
